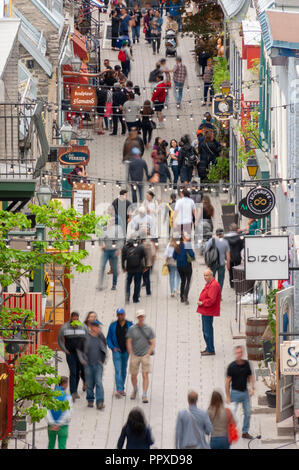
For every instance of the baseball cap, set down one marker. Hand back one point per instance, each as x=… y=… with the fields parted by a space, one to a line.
x=120 y=311
x=97 y=323
x=219 y=231
x=140 y=313
x=136 y=151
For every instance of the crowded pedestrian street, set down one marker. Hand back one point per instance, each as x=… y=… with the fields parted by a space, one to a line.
x=139 y=339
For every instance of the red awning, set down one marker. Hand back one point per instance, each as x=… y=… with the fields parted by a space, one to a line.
x=79 y=43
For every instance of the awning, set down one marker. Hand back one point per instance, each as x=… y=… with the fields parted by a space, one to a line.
x=79 y=43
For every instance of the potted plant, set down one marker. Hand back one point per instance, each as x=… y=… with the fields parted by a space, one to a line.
x=270 y=382
x=228 y=209
x=269 y=336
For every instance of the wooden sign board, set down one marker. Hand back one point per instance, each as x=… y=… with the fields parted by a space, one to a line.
x=6 y=399
x=83 y=98
x=74 y=155
x=83 y=191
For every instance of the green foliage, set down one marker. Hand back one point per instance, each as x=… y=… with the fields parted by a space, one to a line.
x=271 y=308
x=33 y=390
x=250 y=137
x=219 y=171
x=221 y=72
x=207 y=23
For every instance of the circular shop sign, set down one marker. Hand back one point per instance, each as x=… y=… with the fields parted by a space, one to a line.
x=260 y=201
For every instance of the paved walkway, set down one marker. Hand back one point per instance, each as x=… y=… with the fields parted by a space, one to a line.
x=177 y=365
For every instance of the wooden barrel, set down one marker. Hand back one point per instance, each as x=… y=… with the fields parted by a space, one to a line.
x=255 y=328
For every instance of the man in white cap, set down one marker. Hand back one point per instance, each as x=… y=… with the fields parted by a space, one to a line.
x=140 y=346
x=143 y=222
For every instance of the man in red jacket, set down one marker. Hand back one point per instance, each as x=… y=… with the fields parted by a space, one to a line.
x=209 y=307
x=158 y=98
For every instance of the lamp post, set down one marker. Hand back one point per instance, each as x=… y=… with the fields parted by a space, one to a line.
x=44 y=195
x=252 y=167
x=66 y=132
x=225 y=88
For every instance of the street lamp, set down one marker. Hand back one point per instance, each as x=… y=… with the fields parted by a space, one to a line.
x=225 y=87
x=76 y=64
x=252 y=167
x=44 y=195
x=66 y=132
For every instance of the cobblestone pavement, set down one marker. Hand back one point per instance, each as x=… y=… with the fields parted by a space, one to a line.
x=177 y=365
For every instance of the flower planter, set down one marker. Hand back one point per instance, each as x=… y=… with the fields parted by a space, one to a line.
x=228 y=209
x=228 y=219
x=271 y=398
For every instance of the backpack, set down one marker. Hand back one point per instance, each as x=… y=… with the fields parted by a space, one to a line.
x=122 y=56
x=212 y=255
x=191 y=158
x=153 y=74
x=133 y=258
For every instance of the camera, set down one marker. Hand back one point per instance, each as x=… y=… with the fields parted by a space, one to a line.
x=164 y=143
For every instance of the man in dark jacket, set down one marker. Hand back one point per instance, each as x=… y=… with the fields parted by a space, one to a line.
x=236 y=244
x=187 y=159
x=71 y=339
x=209 y=149
x=119 y=97
x=93 y=358
x=133 y=262
x=137 y=167
x=116 y=340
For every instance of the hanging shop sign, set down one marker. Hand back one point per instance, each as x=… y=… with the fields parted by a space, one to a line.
x=243 y=209
x=83 y=191
x=266 y=257
x=260 y=201
x=6 y=399
x=289 y=358
x=74 y=155
x=223 y=106
x=83 y=98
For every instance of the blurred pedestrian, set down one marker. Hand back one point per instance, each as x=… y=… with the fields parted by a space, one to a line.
x=220 y=418
x=174 y=276
x=58 y=421
x=136 y=432
x=184 y=255
x=133 y=263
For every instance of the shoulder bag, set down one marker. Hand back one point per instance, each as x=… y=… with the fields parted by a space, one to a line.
x=165 y=269
x=142 y=332
x=196 y=432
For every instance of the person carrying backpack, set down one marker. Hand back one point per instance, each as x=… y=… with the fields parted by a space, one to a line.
x=216 y=253
x=125 y=57
x=187 y=159
x=133 y=262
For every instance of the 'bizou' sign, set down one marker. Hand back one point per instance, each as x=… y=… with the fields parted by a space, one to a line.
x=266 y=258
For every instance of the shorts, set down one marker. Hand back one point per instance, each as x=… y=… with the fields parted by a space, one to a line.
x=158 y=107
x=135 y=363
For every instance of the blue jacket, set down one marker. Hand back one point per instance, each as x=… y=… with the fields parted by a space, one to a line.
x=181 y=257
x=111 y=337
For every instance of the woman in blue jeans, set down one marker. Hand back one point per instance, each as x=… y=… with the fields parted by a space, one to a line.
x=174 y=276
x=219 y=417
x=174 y=164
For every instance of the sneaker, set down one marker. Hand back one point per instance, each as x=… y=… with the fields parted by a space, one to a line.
x=204 y=104
x=172 y=295
x=112 y=134
x=101 y=133
x=144 y=399
x=186 y=302
x=118 y=394
x=134 y=394
x=100 y=405
x=123 y=393
x=90 y=404
x=246 y=435
x=113 y=288
x=207 y=353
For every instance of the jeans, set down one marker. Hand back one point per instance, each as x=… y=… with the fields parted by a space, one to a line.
x=208 y=332
x=206 y=88
x=74 y=367
x=178 y=91
x=220 y=442
x=186 y=174
x=237 y=397
x=115 y=119
x=156 y=43
x=94 y=375
x=126 y=67
x=111 y=256
x=175 y=171
x=135 y=33
x=62 y=435
x=137 y=285
x=174 y=278
x=120 y=361
x=185 y=275
x=134 y=192
x=108 y=123
x=147 y=281
x=221 y=273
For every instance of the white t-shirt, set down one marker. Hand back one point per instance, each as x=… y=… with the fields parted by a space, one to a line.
x=184 y=208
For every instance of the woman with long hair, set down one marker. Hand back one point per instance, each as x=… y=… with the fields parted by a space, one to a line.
x=219 y=417
x=146 y=114
x=174 y=160
x=174 y=276
x=184 y=255
x=90 y=318
x=136 y=431
x=207 y=210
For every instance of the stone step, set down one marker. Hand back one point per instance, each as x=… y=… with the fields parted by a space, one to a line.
x=275 y=433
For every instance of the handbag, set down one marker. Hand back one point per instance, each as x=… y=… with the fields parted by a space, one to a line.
x=165 y=269
x=190 y=258
x=142 y=332
x=233 y=435
x=153 y=125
